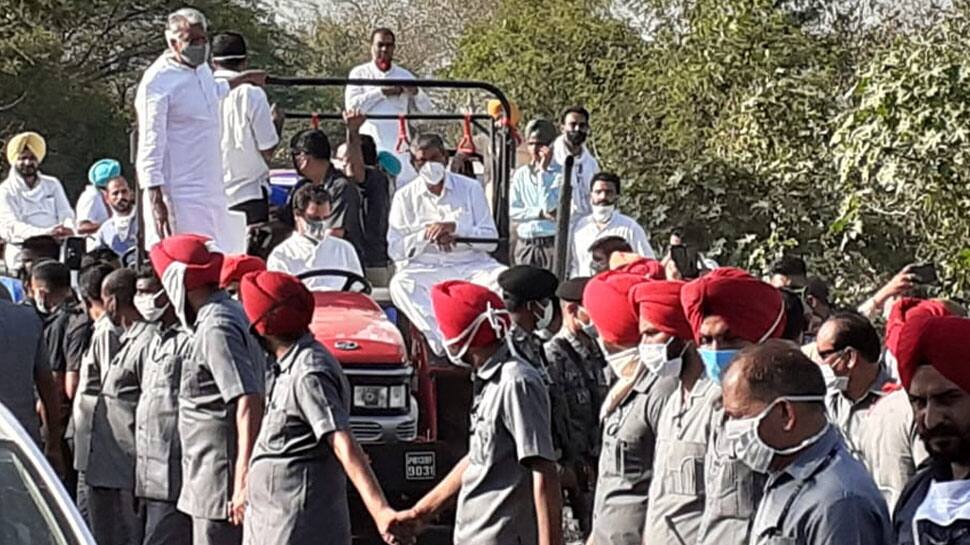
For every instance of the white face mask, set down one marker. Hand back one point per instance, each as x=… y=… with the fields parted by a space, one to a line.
x=602 y=213
x=548 y=313
x=432 y=172
x=145 y=303
x=41 y=304
x=624 y=364
x=317 y=230
x=747 y=445
x=492 y=318
x=833 y=381
x=654 y=356
x=173 y=279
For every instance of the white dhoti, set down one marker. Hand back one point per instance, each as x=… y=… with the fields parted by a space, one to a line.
x=410 y=289
x=206 y=215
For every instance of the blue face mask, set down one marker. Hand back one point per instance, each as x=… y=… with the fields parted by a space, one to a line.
x=716 y=362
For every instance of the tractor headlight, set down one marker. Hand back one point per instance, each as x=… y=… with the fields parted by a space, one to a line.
x=398 y=398
x=370 y=397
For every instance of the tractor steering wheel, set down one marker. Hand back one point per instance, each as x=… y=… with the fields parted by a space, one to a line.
x=351 y=279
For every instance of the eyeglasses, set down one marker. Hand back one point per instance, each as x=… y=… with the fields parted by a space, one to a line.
x=825 y=354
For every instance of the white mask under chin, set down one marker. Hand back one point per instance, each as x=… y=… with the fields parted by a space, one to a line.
x=602 y=213
x=432 y=172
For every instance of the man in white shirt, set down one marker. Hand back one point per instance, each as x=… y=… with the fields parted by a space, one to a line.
x=604 y=221
x=120 y=231
x=427 y=216
x=91 y=208
x=312 y=246
x=394 y=100
x=179 y=157
x=575 y=131
x=31 y=203
x=249 y=132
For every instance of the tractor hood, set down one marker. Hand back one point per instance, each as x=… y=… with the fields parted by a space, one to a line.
x=355 y=329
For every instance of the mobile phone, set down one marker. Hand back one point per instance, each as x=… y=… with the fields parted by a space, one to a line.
x=925 y=273
x=74 y=248
x=685 y=258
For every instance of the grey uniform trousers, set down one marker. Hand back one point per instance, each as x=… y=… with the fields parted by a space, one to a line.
x=215 y=532
x=115 y=519
x=165 y=524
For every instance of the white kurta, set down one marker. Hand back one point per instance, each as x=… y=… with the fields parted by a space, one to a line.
x=178 y=147
x=300 y=253
x=26 y=212
x=587 y=232
x=584 y=168
x=247 y=129
x=91 y=207
x=421 y=265
x=371 y=100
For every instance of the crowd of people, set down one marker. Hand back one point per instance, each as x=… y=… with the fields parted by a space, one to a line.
x=663 y=398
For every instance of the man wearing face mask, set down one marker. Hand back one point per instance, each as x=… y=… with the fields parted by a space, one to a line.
x=179 y=159
x=158 y=461
x=605 y=221
x=31 y=203
x=427 y=216
x=630 y=413
x=676 y=497
x=312 y=246
x=221 y=404
x=849 y=350
x=534 y=197
x=935 y=505
x=507 y=485
x=120 y=231
x=577 y=368
x=729 y=309
x=574 y=123
x=817 y=493
x=111 y=468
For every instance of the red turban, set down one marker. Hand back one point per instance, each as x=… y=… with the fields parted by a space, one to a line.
x=276 y=303
x=937 y=341
x=458 y=305
x=753 y=310
x=235 y=266
x=907 y=309
x=606 y=300
x=645 y=267
x=659 y=303
x=202 y=261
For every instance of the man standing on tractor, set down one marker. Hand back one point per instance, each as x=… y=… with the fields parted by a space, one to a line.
x=427 y=219
x=575 y=131
x=387 y=100
x=507 y=485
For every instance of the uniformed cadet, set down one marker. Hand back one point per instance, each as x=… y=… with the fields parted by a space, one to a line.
x=234 y=267
x=507 y=485
x=111 y=468
x=817 y=493
x=104 y=344
x=729 y=309
x=577 y=365
x=676 y=498
x=221 y=396
x=305 y=450
x=934 y=508
x=158 y=464
x=629 y=416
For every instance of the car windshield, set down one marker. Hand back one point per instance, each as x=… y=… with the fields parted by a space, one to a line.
x=25 y=516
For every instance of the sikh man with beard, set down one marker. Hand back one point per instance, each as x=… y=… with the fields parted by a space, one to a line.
x=120 y=231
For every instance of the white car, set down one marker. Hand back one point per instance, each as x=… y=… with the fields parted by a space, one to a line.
x=34 y=506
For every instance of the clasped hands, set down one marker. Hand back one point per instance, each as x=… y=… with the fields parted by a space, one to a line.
x=442 y=234
x=400 y=527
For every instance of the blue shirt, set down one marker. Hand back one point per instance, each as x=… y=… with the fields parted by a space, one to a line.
x=530 y=194
x=120 y=238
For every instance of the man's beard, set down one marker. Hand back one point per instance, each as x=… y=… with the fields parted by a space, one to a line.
x=123 y=208
x=29 y=170
x=947 y=444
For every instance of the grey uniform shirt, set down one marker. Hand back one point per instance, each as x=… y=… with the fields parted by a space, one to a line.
x=112 y=462
x=509 y=425
x=891 y=447
x=626 y=462
x=104 y=345
x=576 y=364
x=226 y=362
x=851 y=416
x=22 y=354
x=158 y=460
x=731 y=489
x=825 y=497
x=676 y=496
x=295 y=481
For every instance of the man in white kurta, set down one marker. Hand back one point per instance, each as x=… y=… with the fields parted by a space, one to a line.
x=604 y=221
x=390 y=100
x=575 y=131
x=301 y=253
x=179 y=155
x=422 y=263
x=31 y=203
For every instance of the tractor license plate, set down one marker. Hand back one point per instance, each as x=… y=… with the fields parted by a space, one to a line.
x=419 y=466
